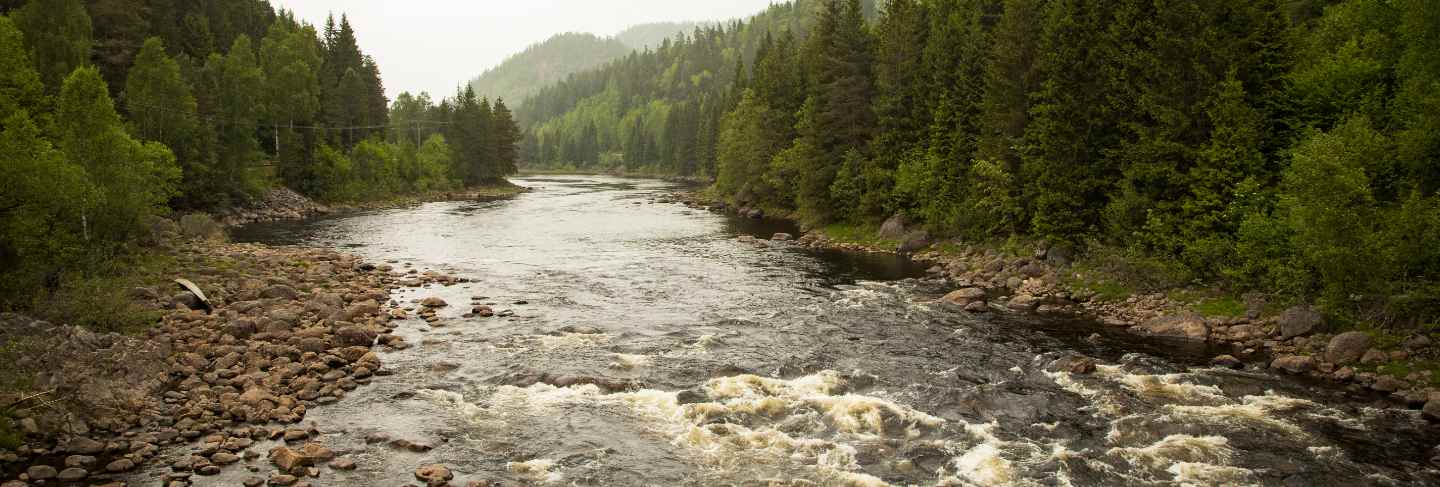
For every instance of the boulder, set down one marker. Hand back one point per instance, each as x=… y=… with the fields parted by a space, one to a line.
x=41 y=472
x=894 y=227
x=1347 y=347
x=1074 y=364
x=434 y=474
x=913 y=242
x=1431 y=411
x=355 y=336
x=83 y=446
x=962 y=297
x=1295 y=364
x=1023 y=302
x=1299 y=321
x=121 y=465
x=73 y=474
x=1185 y=325
x=288 y=460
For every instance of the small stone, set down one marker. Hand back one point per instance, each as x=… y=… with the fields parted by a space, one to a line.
x=434 y=302
x=965 y=296
x=1432 y=407
x=1387 y=383
x=434 y=474
x=283 y=480
x=342 y=464
x=252 y=482
x=1227 y=361
x=1074 y=364
x=84 y=446
x=224 y=458
x=1374 y=356
x=209 y=470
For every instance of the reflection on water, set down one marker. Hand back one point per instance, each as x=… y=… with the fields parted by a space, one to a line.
x=654 y=348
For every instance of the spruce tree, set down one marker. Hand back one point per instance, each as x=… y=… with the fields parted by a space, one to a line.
x=57 y=35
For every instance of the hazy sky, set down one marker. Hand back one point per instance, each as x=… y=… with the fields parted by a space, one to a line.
x=434 y=45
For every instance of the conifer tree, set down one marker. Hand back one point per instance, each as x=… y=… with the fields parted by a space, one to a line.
x=58 y=36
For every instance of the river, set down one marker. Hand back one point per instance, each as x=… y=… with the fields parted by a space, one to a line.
x=648 y=346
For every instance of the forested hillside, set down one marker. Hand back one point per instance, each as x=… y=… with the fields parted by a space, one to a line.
x=1287 y=146
x=546 y=63
x=650 y=36
x=118 y=111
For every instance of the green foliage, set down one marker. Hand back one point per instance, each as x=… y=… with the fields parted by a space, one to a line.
x=20 y=86
x=58 y=36
x=548 y=62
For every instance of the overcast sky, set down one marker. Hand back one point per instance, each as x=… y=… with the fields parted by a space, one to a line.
x=434 y=45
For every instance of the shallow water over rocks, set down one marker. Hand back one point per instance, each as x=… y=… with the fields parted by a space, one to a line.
x=654 y=348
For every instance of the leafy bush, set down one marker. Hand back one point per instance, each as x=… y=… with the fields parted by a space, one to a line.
x=201 y=226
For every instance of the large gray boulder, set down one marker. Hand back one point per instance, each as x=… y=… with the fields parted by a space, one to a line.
x=1299 y=321
x=895 y=227
x=1347 y=347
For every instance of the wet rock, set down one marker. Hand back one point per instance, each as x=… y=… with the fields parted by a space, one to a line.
x=977 y=307
x=434 y=475
x=1185 y=325
x=283 y=480
x=1074 y=364
x=1299 y=321
x=1227 y=361
x=14 y=483
x=377 y=437
x=434 y=302
x=965 y=296
x=79 y=461
x=252 y=482
x=1347 y=347
x=73 y=474
x=1294 y=364
x=41 y=472
x=342 y=464
x=781 y=237
x=407 y=445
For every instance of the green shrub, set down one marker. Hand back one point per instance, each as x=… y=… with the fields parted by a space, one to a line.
x=201 y=226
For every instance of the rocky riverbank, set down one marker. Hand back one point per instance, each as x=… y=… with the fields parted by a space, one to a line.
x=284 y=330
x=1295 y=340
x=286 y=204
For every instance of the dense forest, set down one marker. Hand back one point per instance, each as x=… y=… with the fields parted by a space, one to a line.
x=115 y=112
x=1288 y=146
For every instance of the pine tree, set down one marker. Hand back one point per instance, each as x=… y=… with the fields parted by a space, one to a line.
x=239 y=84
x=507 y=135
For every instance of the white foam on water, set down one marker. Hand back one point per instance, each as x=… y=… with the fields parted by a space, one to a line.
x=1176 y=449
x=626 y=361
x=983 y=464
x=570 y=340
x=1253 y=410
x=1167 y=386
x=537 y=470
x=1203 y=474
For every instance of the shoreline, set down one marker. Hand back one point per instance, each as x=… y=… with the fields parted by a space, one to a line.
x=292 y=329
x=283 y=204
x=1293 y=341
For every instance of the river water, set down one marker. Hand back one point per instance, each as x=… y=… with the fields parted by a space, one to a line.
x=648 y=346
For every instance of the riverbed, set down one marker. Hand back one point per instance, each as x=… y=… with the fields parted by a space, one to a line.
x=642 y=343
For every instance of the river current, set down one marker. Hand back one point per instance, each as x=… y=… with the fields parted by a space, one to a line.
x=646 y=345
